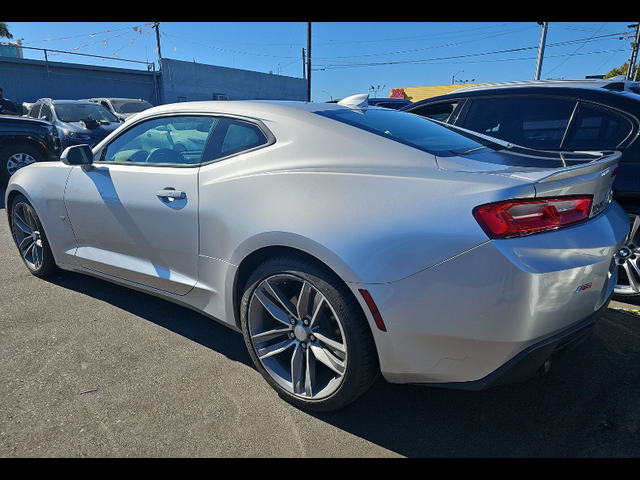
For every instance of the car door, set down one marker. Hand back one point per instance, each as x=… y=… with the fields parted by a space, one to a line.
x=135 y=212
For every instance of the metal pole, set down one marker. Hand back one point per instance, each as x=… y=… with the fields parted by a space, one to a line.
x=308 y=61
x=634 y=52
x=157 y=27
x=543 y=39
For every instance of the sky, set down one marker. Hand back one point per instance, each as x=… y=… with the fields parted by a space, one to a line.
x=346 y=57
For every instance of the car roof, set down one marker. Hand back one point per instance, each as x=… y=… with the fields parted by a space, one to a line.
x=597 y=91
x=617 y=84
x=118 y=98
x=60 y=102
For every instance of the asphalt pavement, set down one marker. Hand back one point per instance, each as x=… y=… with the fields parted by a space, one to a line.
x=92 y=369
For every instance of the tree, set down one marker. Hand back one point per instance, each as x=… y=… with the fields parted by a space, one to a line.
x=622 y=71
x=4 y=31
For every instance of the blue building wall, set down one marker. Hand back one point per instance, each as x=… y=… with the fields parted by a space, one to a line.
x=195 y=81
x=26 y=80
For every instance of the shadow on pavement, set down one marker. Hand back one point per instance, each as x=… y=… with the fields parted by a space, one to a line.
x=168 y=315
x=588 y=405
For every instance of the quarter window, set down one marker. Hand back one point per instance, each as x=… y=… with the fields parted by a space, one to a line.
x=177 y=140
x=233 y=136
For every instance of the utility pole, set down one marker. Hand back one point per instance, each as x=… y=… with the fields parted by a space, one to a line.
x=634 y=53
x=543 y=40
x=157 y=27
x=308 y=61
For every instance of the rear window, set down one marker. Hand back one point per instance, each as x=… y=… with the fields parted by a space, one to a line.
x=412 y=130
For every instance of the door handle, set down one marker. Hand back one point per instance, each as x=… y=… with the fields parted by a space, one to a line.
x=171 y=194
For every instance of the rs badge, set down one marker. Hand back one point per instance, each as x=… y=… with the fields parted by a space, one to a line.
x=584 y=287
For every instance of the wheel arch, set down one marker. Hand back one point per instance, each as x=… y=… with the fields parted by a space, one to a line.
x=252 y=258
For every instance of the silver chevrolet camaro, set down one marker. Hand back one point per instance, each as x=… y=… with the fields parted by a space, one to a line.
x=342 y=240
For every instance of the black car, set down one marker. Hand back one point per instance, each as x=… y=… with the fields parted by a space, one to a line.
x=24 y=141
x=560 y=115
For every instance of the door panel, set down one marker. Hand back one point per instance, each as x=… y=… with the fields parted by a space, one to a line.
x=135 y=212
x=125 y=229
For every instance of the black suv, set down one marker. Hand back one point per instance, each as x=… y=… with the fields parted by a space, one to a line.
x=561 y=115
x=24 y=141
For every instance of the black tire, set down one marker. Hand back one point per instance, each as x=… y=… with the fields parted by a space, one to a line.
x=30 y=238
x=13 y=157
x=328 y=328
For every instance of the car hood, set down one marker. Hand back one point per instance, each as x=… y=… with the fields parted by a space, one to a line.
x=91 y=128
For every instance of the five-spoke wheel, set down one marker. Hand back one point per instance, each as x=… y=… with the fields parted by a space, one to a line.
x=307 y=335
x=30 y=238
x=628 y=260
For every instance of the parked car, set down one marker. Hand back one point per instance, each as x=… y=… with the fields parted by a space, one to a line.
x=342 y=240
x=123 y=108
x=24 y=141
x=78 y=122
x=561 y=115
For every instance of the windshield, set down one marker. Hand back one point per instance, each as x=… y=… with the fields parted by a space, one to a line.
x=74 y=112
x=410 y=129
x=130 y=106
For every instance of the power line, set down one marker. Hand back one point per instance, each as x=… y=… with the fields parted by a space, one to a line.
x=463 y=56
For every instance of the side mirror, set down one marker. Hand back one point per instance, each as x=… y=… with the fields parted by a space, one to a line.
x=78 y=155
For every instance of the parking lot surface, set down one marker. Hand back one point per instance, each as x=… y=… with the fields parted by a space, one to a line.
x=92 y=369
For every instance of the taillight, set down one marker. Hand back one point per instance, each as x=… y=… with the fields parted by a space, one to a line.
x=516 y=218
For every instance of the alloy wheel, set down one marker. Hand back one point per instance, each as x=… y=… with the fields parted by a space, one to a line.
x=628 y=261
x=297 y=336
x=18 y=161
x=27 y=235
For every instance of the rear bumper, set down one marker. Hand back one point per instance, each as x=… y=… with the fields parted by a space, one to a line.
x=498 y=312
x=536 y=358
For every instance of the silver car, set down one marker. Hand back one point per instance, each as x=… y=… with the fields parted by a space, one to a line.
x=343 y=241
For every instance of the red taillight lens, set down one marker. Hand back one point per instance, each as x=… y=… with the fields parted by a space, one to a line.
x=515 y=218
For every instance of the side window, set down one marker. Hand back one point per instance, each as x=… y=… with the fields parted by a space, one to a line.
x=46 y=113
x=34 y=112
x=597 y=128
x=533 y=122
x=438 y=111
x=179 y=140
x=233 y=136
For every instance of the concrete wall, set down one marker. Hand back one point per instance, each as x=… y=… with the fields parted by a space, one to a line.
x=26 y=80
x=195 y=81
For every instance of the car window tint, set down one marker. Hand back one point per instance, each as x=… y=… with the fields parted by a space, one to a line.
x=162 y=141
x=533 y=122
x=414 y=130
x=597 y=128
x=74 y=112
x=438 y=111
x=233 y=136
